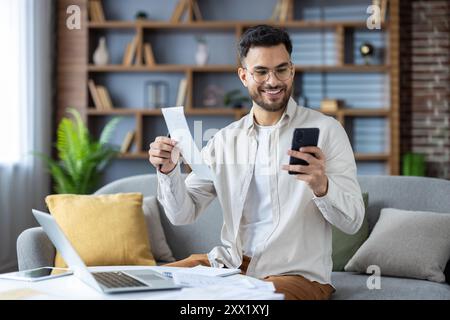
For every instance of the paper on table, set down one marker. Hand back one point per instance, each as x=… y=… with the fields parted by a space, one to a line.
x=212 y=272
x=198 y=280
x=179 y=131
x=227 y=292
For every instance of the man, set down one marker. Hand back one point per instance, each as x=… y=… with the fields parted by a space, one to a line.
x=277 y=226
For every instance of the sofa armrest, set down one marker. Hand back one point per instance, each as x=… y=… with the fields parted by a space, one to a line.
x=34 y=249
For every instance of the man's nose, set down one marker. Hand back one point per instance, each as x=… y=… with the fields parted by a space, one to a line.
x=272 y=80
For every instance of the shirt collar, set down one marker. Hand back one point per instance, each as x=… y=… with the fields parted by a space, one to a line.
x=288 y=112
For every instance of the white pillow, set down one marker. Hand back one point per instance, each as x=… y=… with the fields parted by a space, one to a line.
x=159 y=246
x=409 y=244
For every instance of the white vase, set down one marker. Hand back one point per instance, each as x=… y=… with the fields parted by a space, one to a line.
x=101 y=55
x=201 y=56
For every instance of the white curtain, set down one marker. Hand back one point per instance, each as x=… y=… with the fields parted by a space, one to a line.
x=26 y=63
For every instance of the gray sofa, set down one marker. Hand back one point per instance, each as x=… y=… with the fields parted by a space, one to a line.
x=410 y=193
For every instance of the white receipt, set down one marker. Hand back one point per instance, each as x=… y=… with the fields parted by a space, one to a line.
x=179 y=131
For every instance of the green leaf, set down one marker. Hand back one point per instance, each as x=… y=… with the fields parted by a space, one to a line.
x=81 y=159
x=108 y=130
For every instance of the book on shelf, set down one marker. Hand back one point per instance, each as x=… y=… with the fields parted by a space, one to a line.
x=127 y=141
x=331 y=105
x=182 y=89
x=287 y=9
x=148 y=55
x=281 y=10
x=96 y=11
x=382 y=5
x=139 y=47
x=95 y=95
x=196 y=10
x=276 y=11
x=130 y=51
x=105 y=98
x=93 y=16
x=181 y=7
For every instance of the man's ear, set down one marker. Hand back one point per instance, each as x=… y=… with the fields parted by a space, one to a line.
x=243 y=76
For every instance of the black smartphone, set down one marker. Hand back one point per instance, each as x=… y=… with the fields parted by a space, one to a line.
x=303 y=137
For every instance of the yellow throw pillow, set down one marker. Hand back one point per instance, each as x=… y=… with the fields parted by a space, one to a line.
x=104 y=229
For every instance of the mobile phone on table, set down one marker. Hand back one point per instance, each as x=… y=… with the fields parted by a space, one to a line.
x=37 y=274
x=303 y=137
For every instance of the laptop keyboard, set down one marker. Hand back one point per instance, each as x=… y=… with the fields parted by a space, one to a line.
x=117 y=280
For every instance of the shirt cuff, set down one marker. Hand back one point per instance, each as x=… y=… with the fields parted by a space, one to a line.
x=168 y=177
x=325 y=203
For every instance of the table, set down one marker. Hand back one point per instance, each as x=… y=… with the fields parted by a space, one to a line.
x=72 y=288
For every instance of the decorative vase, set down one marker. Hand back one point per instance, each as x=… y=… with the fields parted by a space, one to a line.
x=101 y=55
x=201 y=56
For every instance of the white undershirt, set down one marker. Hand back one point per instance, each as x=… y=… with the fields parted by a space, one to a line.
x=257 y=220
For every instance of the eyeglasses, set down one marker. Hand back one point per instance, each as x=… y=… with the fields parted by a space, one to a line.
x=283 y=73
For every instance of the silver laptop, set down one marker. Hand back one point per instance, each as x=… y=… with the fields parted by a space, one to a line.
x=106 y=282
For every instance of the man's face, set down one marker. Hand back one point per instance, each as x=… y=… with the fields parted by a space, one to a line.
x=273 y=94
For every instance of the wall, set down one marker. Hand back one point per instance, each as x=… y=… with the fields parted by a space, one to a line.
x=425 y=83
x=360 y=90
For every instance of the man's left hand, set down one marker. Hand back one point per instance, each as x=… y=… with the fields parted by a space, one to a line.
x=313 y=174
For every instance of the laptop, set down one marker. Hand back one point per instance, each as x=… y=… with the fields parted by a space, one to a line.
x=106 y=282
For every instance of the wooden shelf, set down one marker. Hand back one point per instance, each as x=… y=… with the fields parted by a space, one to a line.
x=343 y=68
x=162 y=68
x=91 y=111
x=371 y=157
x=347 y=112
x=228 y=111
x=134 y=155
x=230 y=68
x=226 y=25
x=123 y=112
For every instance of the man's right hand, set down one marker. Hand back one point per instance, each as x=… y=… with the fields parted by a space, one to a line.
x=163 y=154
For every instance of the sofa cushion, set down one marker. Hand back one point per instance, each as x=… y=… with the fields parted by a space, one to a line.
x=353 y=286
x=345 y=245
x=412 y=244
x=158 y=242
x=103 y=229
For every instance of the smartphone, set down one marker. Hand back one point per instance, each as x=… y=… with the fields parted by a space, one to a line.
x=303 y=137
x=37 y=274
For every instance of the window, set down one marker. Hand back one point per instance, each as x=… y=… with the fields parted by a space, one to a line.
x=10 y=99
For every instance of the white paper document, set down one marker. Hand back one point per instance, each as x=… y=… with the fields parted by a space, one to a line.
x=188 y=278
x=212 y=272
x=227 y=293
x=200 y=283
x=179 y=131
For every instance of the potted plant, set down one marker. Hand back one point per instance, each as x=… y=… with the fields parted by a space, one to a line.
x=81 y=158
x=235 y=99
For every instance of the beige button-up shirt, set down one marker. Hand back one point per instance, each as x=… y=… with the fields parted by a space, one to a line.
x=300 y=241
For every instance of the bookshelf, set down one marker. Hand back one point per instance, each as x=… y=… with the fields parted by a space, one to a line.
x=75 y=68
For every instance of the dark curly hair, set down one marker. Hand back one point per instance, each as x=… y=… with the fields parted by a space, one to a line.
x=263 y=36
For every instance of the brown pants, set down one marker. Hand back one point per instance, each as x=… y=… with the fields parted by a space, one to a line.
x=294 y=287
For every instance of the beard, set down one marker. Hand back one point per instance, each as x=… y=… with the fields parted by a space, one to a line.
x=268 y=103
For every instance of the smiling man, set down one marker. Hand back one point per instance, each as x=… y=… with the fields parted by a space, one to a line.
x=277 y=226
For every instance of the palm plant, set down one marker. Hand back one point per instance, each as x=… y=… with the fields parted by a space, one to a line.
x=81 y=158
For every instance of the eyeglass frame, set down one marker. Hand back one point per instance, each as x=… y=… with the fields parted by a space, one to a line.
x=290 y=64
